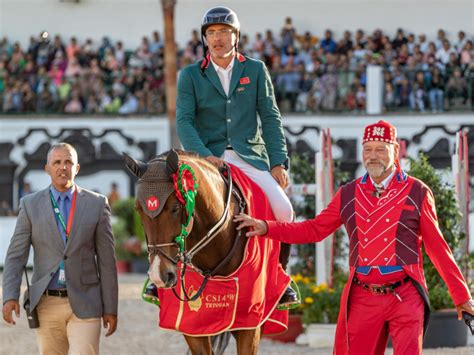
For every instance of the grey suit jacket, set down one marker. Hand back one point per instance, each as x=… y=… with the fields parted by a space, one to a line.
x=89 y=258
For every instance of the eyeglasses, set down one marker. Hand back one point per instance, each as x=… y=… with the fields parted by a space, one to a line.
x=221 y=32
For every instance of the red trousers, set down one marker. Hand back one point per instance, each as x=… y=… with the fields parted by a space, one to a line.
x=372 y=318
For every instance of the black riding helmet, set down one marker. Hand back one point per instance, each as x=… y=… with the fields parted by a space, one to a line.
x=219 y=15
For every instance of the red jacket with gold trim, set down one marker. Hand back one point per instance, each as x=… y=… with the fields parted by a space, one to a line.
x=382 y=231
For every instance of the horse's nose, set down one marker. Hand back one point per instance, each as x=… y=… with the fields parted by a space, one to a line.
x=170 y=279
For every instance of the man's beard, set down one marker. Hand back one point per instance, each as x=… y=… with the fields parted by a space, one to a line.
x=375 y=168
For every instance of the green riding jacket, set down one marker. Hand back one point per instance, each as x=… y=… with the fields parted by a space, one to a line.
x=208 y=120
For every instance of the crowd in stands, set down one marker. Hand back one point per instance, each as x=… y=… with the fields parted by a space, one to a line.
x=310 y=74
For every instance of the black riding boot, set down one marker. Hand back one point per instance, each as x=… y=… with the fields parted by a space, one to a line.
x=289 y=297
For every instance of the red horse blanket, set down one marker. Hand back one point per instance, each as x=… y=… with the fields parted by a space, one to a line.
x=243 y=300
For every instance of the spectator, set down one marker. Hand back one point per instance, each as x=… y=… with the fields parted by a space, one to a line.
x=441 y=37
x=92 y=105
x=105 y=44
x=389 y=96
x=114 y=105
x=73 y=68
x=74 y=105
x=328 y=43
x=28 y=98
x=403 y=54
x=156 y=43
x=244 y=44
x=290 y=80
x=114 y=195
x=58 y=47
x=46 y=98
x=443 y=53
x=423 y=43
x=89 y=51
x=104 y=100
x=120 y=54
x=91 y=72
x=129 y=106
x=360 y=38
x=360 y=97
x=73 y=49
x=109 y=62
x=436 y=91
x=43 y=50
x=456 y=87
x=25 y=190
x=411 y=43
x=462 y=39
x=307 y=41
x=418 y=93
x=399 y=40
x=453 y=63
x=8 y=105
x=287 y=34
x=329 y=88
x=195 y=43
x=467 y=55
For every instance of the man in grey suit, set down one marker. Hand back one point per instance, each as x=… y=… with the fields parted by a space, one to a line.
x=74 y=281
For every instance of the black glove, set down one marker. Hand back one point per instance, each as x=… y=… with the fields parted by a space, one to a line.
x=469 y=319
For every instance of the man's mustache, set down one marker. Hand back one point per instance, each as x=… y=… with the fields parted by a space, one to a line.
x=367 y=162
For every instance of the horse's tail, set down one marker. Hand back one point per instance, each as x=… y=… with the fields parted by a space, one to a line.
x=220 y=343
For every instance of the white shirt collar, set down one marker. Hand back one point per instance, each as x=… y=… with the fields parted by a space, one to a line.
x=386 y=181
x=218 y=68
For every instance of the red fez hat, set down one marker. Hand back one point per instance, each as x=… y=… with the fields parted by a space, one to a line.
x=382 y=131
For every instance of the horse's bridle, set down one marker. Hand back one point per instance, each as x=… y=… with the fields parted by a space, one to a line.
x=186 y=256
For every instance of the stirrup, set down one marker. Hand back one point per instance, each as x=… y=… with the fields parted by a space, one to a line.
x=286 y=307
x=146 y=297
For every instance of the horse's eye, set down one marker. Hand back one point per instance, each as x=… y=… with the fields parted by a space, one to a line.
x=175 y=209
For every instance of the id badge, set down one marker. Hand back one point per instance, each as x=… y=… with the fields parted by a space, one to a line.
x=62 y=274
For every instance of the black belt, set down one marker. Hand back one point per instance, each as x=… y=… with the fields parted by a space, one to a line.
x=229 y=148
x=380 y=289
x=56 y=293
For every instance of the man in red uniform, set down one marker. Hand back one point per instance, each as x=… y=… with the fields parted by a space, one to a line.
x=387 y=215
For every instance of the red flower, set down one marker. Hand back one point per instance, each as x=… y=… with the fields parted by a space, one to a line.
x=187 y=184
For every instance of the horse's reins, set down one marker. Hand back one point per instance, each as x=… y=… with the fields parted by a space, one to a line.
x=186 y=256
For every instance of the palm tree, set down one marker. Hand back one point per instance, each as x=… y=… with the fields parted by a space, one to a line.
x=168 y=7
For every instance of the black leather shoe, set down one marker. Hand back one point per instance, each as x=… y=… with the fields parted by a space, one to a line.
x=151 y=293
x=289 y=298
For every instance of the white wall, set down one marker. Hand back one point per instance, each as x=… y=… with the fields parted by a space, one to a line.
x=130 y=20
x=139 y=129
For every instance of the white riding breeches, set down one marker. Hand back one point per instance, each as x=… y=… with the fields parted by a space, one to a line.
x=279 y=202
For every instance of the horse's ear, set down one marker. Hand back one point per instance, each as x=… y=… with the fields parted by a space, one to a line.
x=137 y=167
x=172 y=161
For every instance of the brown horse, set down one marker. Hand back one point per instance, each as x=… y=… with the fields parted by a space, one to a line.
x=215 y=205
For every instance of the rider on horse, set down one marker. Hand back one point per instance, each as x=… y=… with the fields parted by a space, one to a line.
x=217 y=105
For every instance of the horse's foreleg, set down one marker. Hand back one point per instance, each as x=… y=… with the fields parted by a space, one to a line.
x=247 y=341
x=199 y=345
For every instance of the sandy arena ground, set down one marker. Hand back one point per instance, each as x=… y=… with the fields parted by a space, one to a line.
x=138 y=334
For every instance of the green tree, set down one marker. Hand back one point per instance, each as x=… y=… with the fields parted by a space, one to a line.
x=449 y=218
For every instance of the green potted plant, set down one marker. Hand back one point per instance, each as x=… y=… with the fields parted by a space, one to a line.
x=131 y=241
x=122 y=256
x=443 y=317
